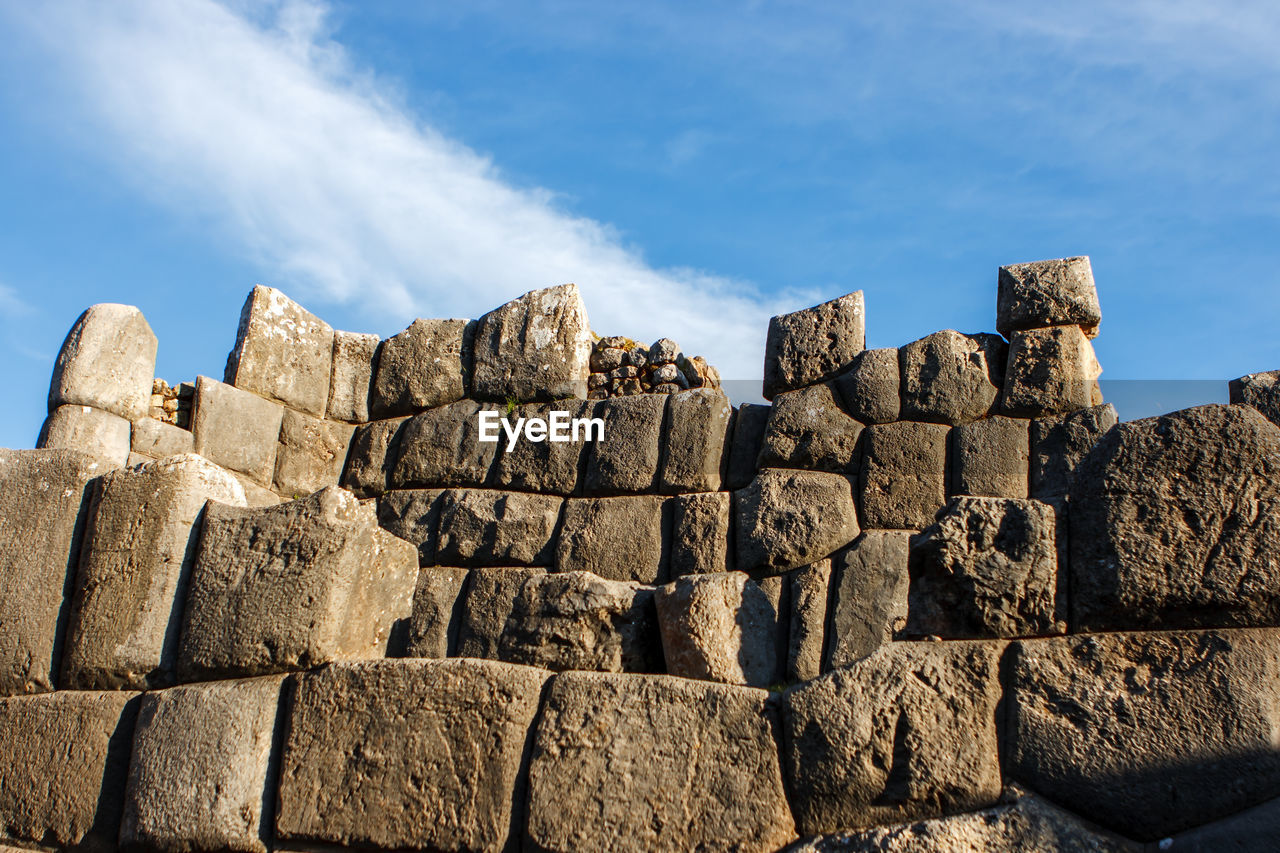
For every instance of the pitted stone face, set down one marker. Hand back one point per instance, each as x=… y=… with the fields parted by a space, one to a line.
x=537 y=347
x=283 y=352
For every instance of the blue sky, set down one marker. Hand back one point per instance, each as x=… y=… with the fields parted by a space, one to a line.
x=696 y=168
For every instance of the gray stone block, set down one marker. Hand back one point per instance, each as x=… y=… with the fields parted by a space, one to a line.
x=237 y=430
x=700 y=541
x=869 y=599
x=91 y=430
x=991 y=458
x=483 y=527
x=425 y=366
x=1260 y=390
x=1251 y=829
x=814 y=344
x=311 y=455
x=788 y=519
x=487 y=601
x=809 y=594
x=869 y=388
x=1051 y=371
x=536 y=347
x=694 y=443
x=414 y=516
x=283 y=352
x=749 y=423
x=1057 y=292
x=808 y=429
x=437 y=615
x=547 y=467
x=626 y=461
x=442 y=447
x=351 y=376
x=1059 y=444
x=621 y=538
x=374 y=452
x=904 y=474
x=951 y=378
x=718 y=628
x=157 y=439
x=108 y=361
x=254 y=495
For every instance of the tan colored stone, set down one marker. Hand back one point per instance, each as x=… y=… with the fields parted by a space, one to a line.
x=425 y=366
x=808 y=623
x=485 y=527
x=283 y=352
x=375 y=450
x=904 y=479
x=350 y=377
x=621 y=538
x=788 y=519
x=437 y=615
x=237 y=430
x=158 y=439
x=869 y=601
x=700 y=533
x=1051 y=371
x=814 y=344
x=694 y=441
x=808 y=429
x=311 y=455
x=536 y=347
x=1056 y=292
x=487 y=602
x=626 y=461
x=991 y=458
x=718 y=628
x=91 y=430
x=107 y=361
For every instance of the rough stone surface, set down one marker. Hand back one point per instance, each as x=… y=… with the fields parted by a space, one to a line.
x=442 y=447
x=311 y=455
x=575 y=620
x=536 y=347
x=904 y=480
x=869 y=598
x=139 y=544
x=351 y=376
x=814 y=344
x=627 y=460
x=255 y=495
x=951 y=378
x=808 y=429
x=425 y=366
x=63 y=760
x=700 y=533
x=293 y=586
x=158 y=439
x=1058 y=292
x=1251 y=829
x=283 y=352
x=1175 y=522
x=85 y=428
x=788 y=519
x=908 y=732
x=408 y=754
x=1148 y=734
x=809 y=594
x=869 y=388
x=107 y=361
x=487 y=602
x=237 y=430
x=1260 y=390
x=548 y=467
x=749 y=423
x=718 y=628
x=651 y=762
x=37 y=561
x=198 y=776
x=991 y=458
x=987 y=568
x=375 y=450
x=1058 y=445
x=482 y=527
x=414 y=516
x=694 y=442
x=437 y=616
x=1051 y=371
x=622 y=538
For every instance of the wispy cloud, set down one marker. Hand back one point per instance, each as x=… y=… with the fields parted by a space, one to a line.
x=12 y=306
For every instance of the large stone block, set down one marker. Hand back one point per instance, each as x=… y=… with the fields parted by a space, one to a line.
x=1251 y=829
x=351 y=376
x=372 y=458
x=63 y=760
x=311 y=455
x=1057 y=292
x=107 y=361
x=575 y=620
x=1175 y=522
x=546 y=467
x=414 y=516
x=749 y=423
x=904 y=474
x=482 y=527
x=788 y=519
x=810 y=587
x=814 y=344
x=651 y=762
x=293 y=586
x=623 y=538
x=700 y=533
x=1051 y=371
x=869 y=598
x=198 y=779
x=94 y=431
x=991 y=458
x=808 y=429
x=487 y=602
x=237 y=430
x=869 y=388
x=1148 y=734
x=536 y=347
x=38 y=560
x=1058 y=445
x=626 y=460
x=908 y=732
x=718 y=628
x=442 y=447
x=283 y=352
x=1260 y=390
x=158 y=439
x=130 y=592
x=437 y=614
x=425 y=366
x=414 y=754
x=694 y=442
x=987 y=568
x=951 y=378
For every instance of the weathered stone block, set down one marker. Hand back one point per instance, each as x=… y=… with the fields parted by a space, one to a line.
x=700 y=533
x=987 y=568
x=651 y=762
x=908 y=732
x=255 y=495
x=869 y=388
x=425 y=366
x=293 y=586
x=814 y=344
x=694 y=442
x=808 y=429
x=37 y=560
x=414 y=516
x=1051 y=371
x=488 y=599
x=808 y=622
x=1148 y=734
x=437 y=615
x=198 y=777
x=623 y=538
x=546 y=467
x=1251 y=829
x=482 y=527
x=107 y=361
x=1058 y=445
x=1260 y=390
x=536 y=347
x=374 y=452
x=904 y=481
x=991 y=458
x=788 y=519
x=1175 y=522
x=749 y=423
x=283 y=352
x=869 y=601
x=311 y=455
x=442 y=447
x=626 y=461
x=139 y=545
x=1058 y=292
x=63 y=760
x=91 y=430
x=575 y=620
x=951 y=378
x=237 y=430
x=718 y=628
x=158 y=439
x=351 y=376
x=408 y=754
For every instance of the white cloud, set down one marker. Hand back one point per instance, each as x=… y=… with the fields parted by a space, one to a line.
x=12 y=305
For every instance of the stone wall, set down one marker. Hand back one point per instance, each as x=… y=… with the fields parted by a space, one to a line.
x=930 y=598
